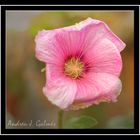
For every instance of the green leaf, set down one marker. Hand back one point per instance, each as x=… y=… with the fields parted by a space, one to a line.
x=81 y=122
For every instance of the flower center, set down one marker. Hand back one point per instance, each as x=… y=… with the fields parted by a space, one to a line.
x=73 y=67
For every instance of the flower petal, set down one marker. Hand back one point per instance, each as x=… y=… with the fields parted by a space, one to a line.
x=97 y=29
x=96 y=86
x=70 y=42
x=103 y=57
x=59 y=89
x=56 y=46
x=42 y=39
x=71 y=39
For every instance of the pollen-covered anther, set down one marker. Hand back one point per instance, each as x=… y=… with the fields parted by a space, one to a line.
x=73 y=67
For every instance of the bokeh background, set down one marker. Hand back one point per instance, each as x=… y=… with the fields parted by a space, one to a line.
x=24 y=79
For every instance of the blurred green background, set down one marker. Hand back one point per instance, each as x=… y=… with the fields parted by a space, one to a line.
x=24 y=80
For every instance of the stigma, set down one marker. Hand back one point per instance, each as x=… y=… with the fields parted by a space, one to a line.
x=73 y=68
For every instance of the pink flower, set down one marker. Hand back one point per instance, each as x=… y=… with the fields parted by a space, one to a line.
x=83 y=63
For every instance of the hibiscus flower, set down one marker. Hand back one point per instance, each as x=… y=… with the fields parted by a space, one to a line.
x=83 y=64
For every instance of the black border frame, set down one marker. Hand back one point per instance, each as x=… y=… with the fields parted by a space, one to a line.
x=72 y=131
x=72 y=2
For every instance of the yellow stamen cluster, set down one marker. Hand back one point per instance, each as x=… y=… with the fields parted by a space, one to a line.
x=73 y=67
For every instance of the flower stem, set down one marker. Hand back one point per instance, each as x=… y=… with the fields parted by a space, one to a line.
x=60 y=119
